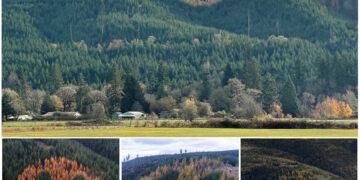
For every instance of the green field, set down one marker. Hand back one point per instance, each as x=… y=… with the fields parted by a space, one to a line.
x=58 y=129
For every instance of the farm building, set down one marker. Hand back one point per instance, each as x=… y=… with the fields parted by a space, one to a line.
x=24 y=118
x=129 y=115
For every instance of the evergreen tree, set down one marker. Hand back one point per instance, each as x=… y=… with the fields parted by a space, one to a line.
x=82 y=98
x=206 y=88
x=162 y=80
x=289 y=99
x=115 y=92
x=228 y=74
x=252 y=74
x=47 y=105
x=300 y=77
x=133 y=93
x=270 y=93
x=7 y=109
x=56 y=80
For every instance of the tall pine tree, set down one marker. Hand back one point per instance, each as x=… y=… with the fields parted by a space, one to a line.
x=133 y=93
x=270 y=93
x=82 y=98
x=289 y=99
x=228 y=74
x=56 y=79
x=162 y=80
x=115 y=93
x=252 y=74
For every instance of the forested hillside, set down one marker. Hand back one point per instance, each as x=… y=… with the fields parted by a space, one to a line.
x=181 y=48
x=298 y=159
x=144 y=166
x=20 y=155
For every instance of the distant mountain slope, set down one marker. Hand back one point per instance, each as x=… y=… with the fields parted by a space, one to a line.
x=143 y=166
x=20 y=153
x=76 y=36
x=327 y=159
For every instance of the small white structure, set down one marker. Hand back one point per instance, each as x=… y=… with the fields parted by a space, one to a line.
x=24 y=118
x=129 y=115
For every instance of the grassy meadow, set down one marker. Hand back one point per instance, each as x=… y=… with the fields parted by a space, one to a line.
x=123 y=129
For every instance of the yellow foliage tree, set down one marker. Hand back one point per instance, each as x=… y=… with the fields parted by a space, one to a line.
x=331 y=107
x=189 y=109
x=345 y=110
x=57 y=103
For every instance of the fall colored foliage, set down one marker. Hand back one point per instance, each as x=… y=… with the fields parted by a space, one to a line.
x=276 y=110
x=58 y=168
x=57 y=102
x=194 y=169
x=331 y=107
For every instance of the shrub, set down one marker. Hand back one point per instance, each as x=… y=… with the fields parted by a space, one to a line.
x=204 y=109
x=220 y=114
x=276 y=110
x=189 y=110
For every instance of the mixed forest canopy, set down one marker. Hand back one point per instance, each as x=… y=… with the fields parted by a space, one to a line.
x=176 y=164
x=25 y=158
x=305 y=50
x=299 y=159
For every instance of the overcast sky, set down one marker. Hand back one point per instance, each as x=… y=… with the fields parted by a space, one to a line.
x=157 y=146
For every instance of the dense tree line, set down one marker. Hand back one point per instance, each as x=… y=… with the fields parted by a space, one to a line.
x=31 y=151
x=200 y=169
x=139 y=167
x=105 y=147
x=169 y=50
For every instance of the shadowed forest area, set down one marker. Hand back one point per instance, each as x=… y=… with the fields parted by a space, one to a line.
x=299 y=159
x=186 y=58
x=94 y=159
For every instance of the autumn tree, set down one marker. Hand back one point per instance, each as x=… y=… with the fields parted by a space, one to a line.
x=58 y=104
x=189 y=109
x=15 y=101
x=57 y=168
x=67 y=95
x=331 y=108
x=34 y=99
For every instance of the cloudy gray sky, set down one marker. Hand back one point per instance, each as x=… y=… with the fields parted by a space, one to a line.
x=156 y=146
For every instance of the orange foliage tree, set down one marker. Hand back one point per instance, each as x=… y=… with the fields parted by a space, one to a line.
x=331 y=107
x=58 y=168
x=194 y=169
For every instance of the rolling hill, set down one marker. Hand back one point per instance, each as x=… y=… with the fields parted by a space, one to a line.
x=298 y=159
x=139 y=36
x=20 y=154
x=144 y=166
